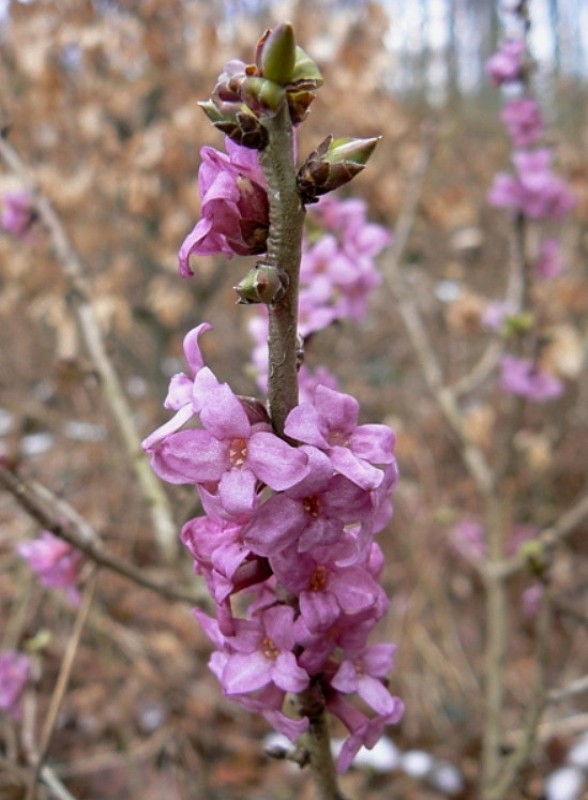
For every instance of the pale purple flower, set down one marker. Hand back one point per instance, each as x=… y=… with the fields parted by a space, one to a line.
x=496 y=313
x=363 y=731
x=235 y=208
x=312 y=513
x=468 y=539
x=218 y=550
x=507 y=63
x=363 y=673
x=18 y=214
x=326 y=590
x=179 y=397
x=535 y=191
x=531 y=599
x=310 y=379
x=550 y=262
x=330 y=423
x=15 y=669
x=260 y=653
x=524 y=377
x=229 y=452
x=523 y=120
x=55 y=561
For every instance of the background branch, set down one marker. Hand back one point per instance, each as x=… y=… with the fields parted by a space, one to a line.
x=79 y=296
x=50 y=511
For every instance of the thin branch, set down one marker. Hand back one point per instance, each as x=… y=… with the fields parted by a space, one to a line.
x=50 y=512
x=513 y=765
x=62 y=681
x=55 y=786
x=394 y=279
x=571 y=690
x=548 y=537
x=79 y=295
x=513 y=298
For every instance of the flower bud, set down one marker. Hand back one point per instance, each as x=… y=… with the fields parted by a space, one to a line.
x=334 y=163
x=306 y=74
x=262 y=95
x=276 y=54
x=242 y=127
x=263 y=284
x=516 y=324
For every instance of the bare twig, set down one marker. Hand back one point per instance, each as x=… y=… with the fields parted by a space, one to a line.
x=513 y=298
x=50 y=513
x=548 y=537
x=571 y=690
x=514 y=764
x=79 y=295
x=394 y=279
x=62 y=681
x=55 y=786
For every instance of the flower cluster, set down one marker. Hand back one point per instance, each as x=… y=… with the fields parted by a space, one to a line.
x=338 y=275
x=15 y=669
x=294 y=526
x=535 y=190
x=535 y=193
x=56 y=563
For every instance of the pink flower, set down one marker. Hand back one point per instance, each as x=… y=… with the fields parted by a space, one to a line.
x=261 y=653
x=235 y=209
x=18 y=214
x=326 y=590
x=56 y=562
x=229 y=453
x=550 y=263
x=524 y=377
x=535 y=191
x=15 y=669
x=507 y=63
x=312 y=513
x=496 y=313
x=363 y=731
x=363 y=673
x=523 y=120
x=468 y=539
x=330 y=423
x=179 y=396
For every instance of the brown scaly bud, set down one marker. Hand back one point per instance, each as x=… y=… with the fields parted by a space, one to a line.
x=262 y=284
x=242 y=127
x=334 y=163
x=254 y=408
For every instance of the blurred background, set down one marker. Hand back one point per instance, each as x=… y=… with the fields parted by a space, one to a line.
x=101 y=100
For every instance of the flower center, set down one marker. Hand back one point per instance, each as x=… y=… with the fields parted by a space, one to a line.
x=318 y=580
x=338 y=439
x=269 y=649
x=238 y=452
x=312 y=506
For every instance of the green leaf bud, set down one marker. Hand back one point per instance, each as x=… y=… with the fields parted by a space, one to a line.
x=262 y=284
x=262 y=95
x=276 y=57
x=334 y=163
